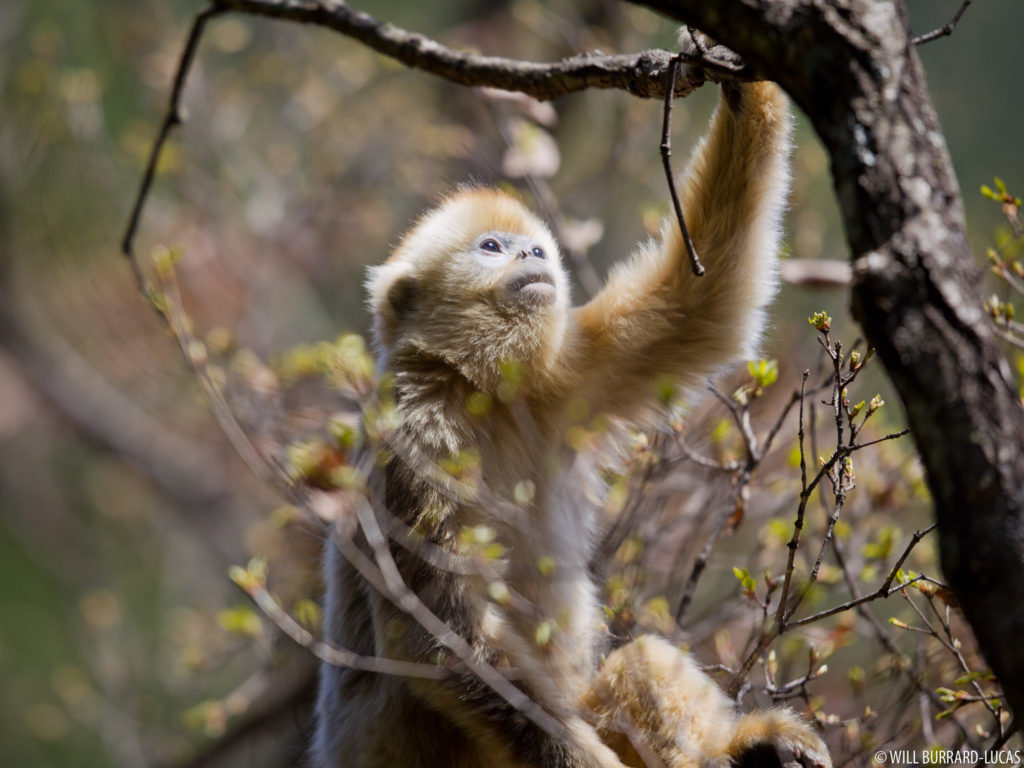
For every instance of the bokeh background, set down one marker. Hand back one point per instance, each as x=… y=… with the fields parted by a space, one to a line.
x=122 y=641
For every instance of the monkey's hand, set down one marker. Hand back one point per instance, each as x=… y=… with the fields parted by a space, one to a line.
x=699 y=49
x=654 y=316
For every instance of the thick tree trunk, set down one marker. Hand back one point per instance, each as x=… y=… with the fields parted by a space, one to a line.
x=850 y=66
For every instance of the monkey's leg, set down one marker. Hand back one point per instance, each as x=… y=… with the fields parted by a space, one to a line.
x=653 y=703
x=773 y=738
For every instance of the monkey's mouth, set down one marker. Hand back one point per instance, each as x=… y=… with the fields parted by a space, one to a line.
x=532 y=282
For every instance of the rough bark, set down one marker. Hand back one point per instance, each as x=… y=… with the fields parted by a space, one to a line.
x=850 y=66
x=642 y=74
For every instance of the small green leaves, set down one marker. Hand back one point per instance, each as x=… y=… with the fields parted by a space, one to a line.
x=746 y=580
x=209 y=716
x=1000 y=195
x=308 y=614
x=481 y=540
x=345 y=363
x=498 y=591
x=880 y=548
x=764 y=372
x=544 y=632
x=948 y=695
x=479 y=404
x=524 y=492
x=312 y=461
x=461 y=464
x=665 y=387
x=546 y=565
x=512 y=375
x=876 y=403
x=1001 y=312
x=478 y=534
x=821 y=322
x=164 y=259
x=252 y=577
x=240 y=620
x=344 y=433
x=658 y=612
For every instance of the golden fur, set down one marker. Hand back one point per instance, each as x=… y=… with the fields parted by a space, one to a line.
x=474 y=306
x=651 y=696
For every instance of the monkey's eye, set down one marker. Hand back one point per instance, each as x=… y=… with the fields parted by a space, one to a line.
x=538 y=252
x=492 y=245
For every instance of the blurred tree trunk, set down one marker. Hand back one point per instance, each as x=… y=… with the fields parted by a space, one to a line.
x=851 y=67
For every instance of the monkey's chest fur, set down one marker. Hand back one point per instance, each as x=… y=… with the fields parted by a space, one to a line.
x=495 y=489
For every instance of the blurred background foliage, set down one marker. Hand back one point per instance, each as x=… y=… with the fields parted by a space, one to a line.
x=304 y=157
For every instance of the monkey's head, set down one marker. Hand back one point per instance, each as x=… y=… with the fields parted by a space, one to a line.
x=477 y=283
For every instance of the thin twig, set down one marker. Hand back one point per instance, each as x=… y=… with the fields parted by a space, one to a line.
x=666 y=161
x=639 y=74
x=196 y=356
x=174 y=117
x=766 y=444
x=944 y=30
x=705 y=553
x=1009 y=338
x=884 y=590
x=704 y=461
x=869 y=443
x=385 y=576
x=883 y=636
x=333 y=654
x=798 y=524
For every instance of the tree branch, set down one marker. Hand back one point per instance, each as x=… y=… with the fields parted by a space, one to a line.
x=641 y=74
x=945 y=29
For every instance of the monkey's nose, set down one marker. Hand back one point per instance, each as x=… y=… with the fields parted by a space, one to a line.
x=523 y=254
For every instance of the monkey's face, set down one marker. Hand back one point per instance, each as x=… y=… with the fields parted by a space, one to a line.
x=516 y=270
x=477 y=282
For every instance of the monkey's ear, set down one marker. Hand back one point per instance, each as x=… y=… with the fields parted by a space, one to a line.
x=393 y=293
x=402 y=295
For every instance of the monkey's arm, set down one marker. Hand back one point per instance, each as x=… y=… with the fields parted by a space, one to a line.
x=655 y=316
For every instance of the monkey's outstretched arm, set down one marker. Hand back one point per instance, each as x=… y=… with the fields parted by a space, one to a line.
x=654 y=316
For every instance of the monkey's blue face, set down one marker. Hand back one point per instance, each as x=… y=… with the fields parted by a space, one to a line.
x=523 y=268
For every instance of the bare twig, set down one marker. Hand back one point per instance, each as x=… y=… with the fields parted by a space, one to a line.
x=882 y=635
x=385 y=576
x=171 y=309
x=279 y=713
x=798 y=524
x=818 y=274
x=795 y=398
x=945 y=29
x=883 y=591
x=666 y=160
x=705 y=553
x=641 y=74
x=704 y=461
x=333 y=654
x=174 y=117
x=755 y=453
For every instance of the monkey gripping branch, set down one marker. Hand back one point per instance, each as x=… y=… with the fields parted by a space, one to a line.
x=851 y=66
